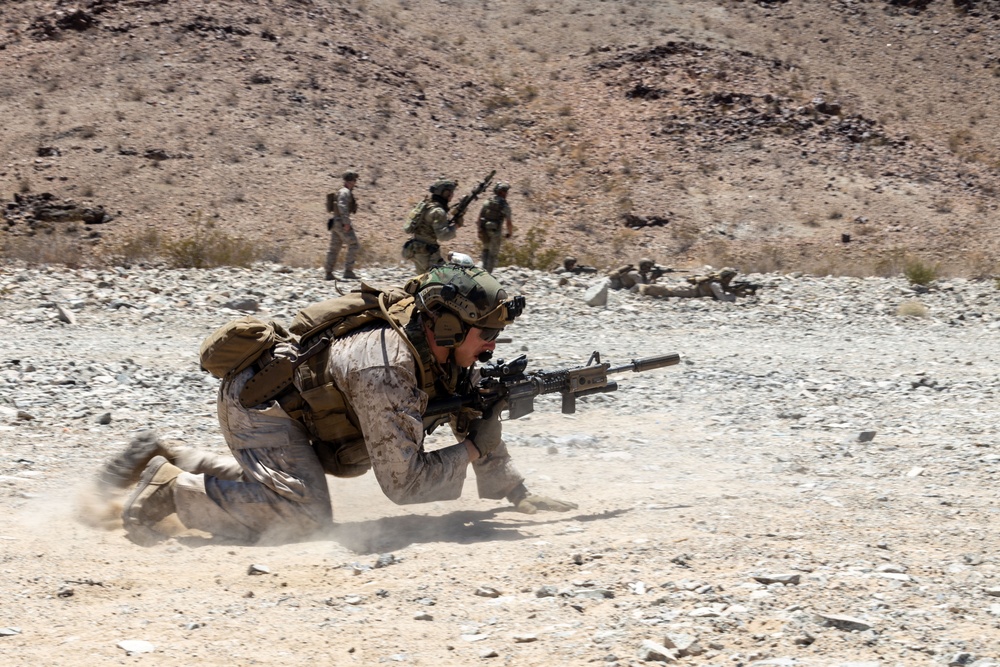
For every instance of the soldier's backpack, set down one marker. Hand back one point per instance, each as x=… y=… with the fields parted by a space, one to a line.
x=236 y=345
x=343 y=314
x=314 y=327
x=416 y=215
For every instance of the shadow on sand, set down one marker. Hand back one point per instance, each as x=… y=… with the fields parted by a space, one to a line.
x=465 y=527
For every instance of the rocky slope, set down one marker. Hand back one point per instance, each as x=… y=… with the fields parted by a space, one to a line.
x=829 y=136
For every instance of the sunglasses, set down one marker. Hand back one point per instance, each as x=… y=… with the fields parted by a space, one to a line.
x=489 y=335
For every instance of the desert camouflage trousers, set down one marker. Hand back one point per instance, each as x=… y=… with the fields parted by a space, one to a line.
x=276 y=491
x=338 y=237
x=709 y=289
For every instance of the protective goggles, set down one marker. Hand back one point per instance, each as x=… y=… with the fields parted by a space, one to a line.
x=489 y=335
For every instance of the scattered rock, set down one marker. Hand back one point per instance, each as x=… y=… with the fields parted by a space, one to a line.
x=841 y=622
x=135 y=646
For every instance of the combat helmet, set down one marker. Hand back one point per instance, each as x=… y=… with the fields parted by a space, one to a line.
x=501 y=187
x=569 y=263
x=455 y=298
x=350 y=175
x=646 y=264
x=441 y=185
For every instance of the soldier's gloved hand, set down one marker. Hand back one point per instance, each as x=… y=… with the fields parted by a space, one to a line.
x=532 y=503
x=486 y=431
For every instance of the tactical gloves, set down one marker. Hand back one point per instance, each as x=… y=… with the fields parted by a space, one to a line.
x=485 y=432
x=531 y=503
x=528 y=503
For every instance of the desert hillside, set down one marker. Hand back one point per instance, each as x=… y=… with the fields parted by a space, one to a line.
x=825 y=135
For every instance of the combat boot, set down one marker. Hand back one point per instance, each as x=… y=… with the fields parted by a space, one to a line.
x=350 y=275
x=152 y=501
x=330 y=276
x=124 y=469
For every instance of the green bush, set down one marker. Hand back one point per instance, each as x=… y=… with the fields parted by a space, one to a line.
x=919 y=272
x=530 y=253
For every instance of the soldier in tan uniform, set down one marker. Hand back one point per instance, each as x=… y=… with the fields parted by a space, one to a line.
x=494 y=217
x=371 y=386
x=428 y=225
x=342 y=206
x=717 y=285
x=624 y=277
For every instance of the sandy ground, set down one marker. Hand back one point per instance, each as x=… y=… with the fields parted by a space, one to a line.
x=693 y=487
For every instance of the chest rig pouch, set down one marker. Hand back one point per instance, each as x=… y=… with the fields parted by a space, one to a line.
x=319 y=404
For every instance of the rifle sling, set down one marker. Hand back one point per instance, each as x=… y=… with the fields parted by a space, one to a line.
x=273 y=378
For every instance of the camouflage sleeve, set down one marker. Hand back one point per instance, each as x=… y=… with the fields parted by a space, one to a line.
x=376 y=371
x=439 y=220
x=344 y=206
x=496 y=476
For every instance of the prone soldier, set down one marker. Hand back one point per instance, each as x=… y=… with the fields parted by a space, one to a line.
x=718 y=285
x=570 y=266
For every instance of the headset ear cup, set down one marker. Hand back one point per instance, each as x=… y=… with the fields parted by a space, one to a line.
x=448 y=330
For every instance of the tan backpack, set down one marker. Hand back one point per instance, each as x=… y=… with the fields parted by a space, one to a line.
x=236 y=345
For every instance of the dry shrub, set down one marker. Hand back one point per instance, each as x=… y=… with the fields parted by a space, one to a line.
x=978 y=265
x=531 y=253
x=685 y=234
x=624 y=241
x=209 y=247
x=912 y=308
x=133 y=249
x=47 y=247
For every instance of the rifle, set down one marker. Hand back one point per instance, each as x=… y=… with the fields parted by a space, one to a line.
x=508 y=382
x=458 y=210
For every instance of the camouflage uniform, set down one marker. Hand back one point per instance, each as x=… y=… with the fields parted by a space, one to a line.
x=715 y=285
x=624 y=277
x=342 y=231
x=430 y=226
x=282 y=492
x=357 y=404
x=570 y=266
x=494 y=213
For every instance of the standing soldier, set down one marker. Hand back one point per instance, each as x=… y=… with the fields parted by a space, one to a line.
x=341 y=206
x=492 y=217
x=428 y=223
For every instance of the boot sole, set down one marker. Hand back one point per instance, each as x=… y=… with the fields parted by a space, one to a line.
x=121 y=474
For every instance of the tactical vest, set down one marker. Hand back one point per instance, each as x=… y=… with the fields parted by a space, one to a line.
x=332 y=199
x=320 y=405
x=493 y=214
x=422 y=227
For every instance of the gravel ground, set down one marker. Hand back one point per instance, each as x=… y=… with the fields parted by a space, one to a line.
x=814 y=484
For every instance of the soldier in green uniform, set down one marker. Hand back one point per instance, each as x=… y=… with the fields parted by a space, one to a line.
x=492 y=218
x=341 y=207
x=428 y=224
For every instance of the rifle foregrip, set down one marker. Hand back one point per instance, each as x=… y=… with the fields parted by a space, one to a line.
x=649 y=363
